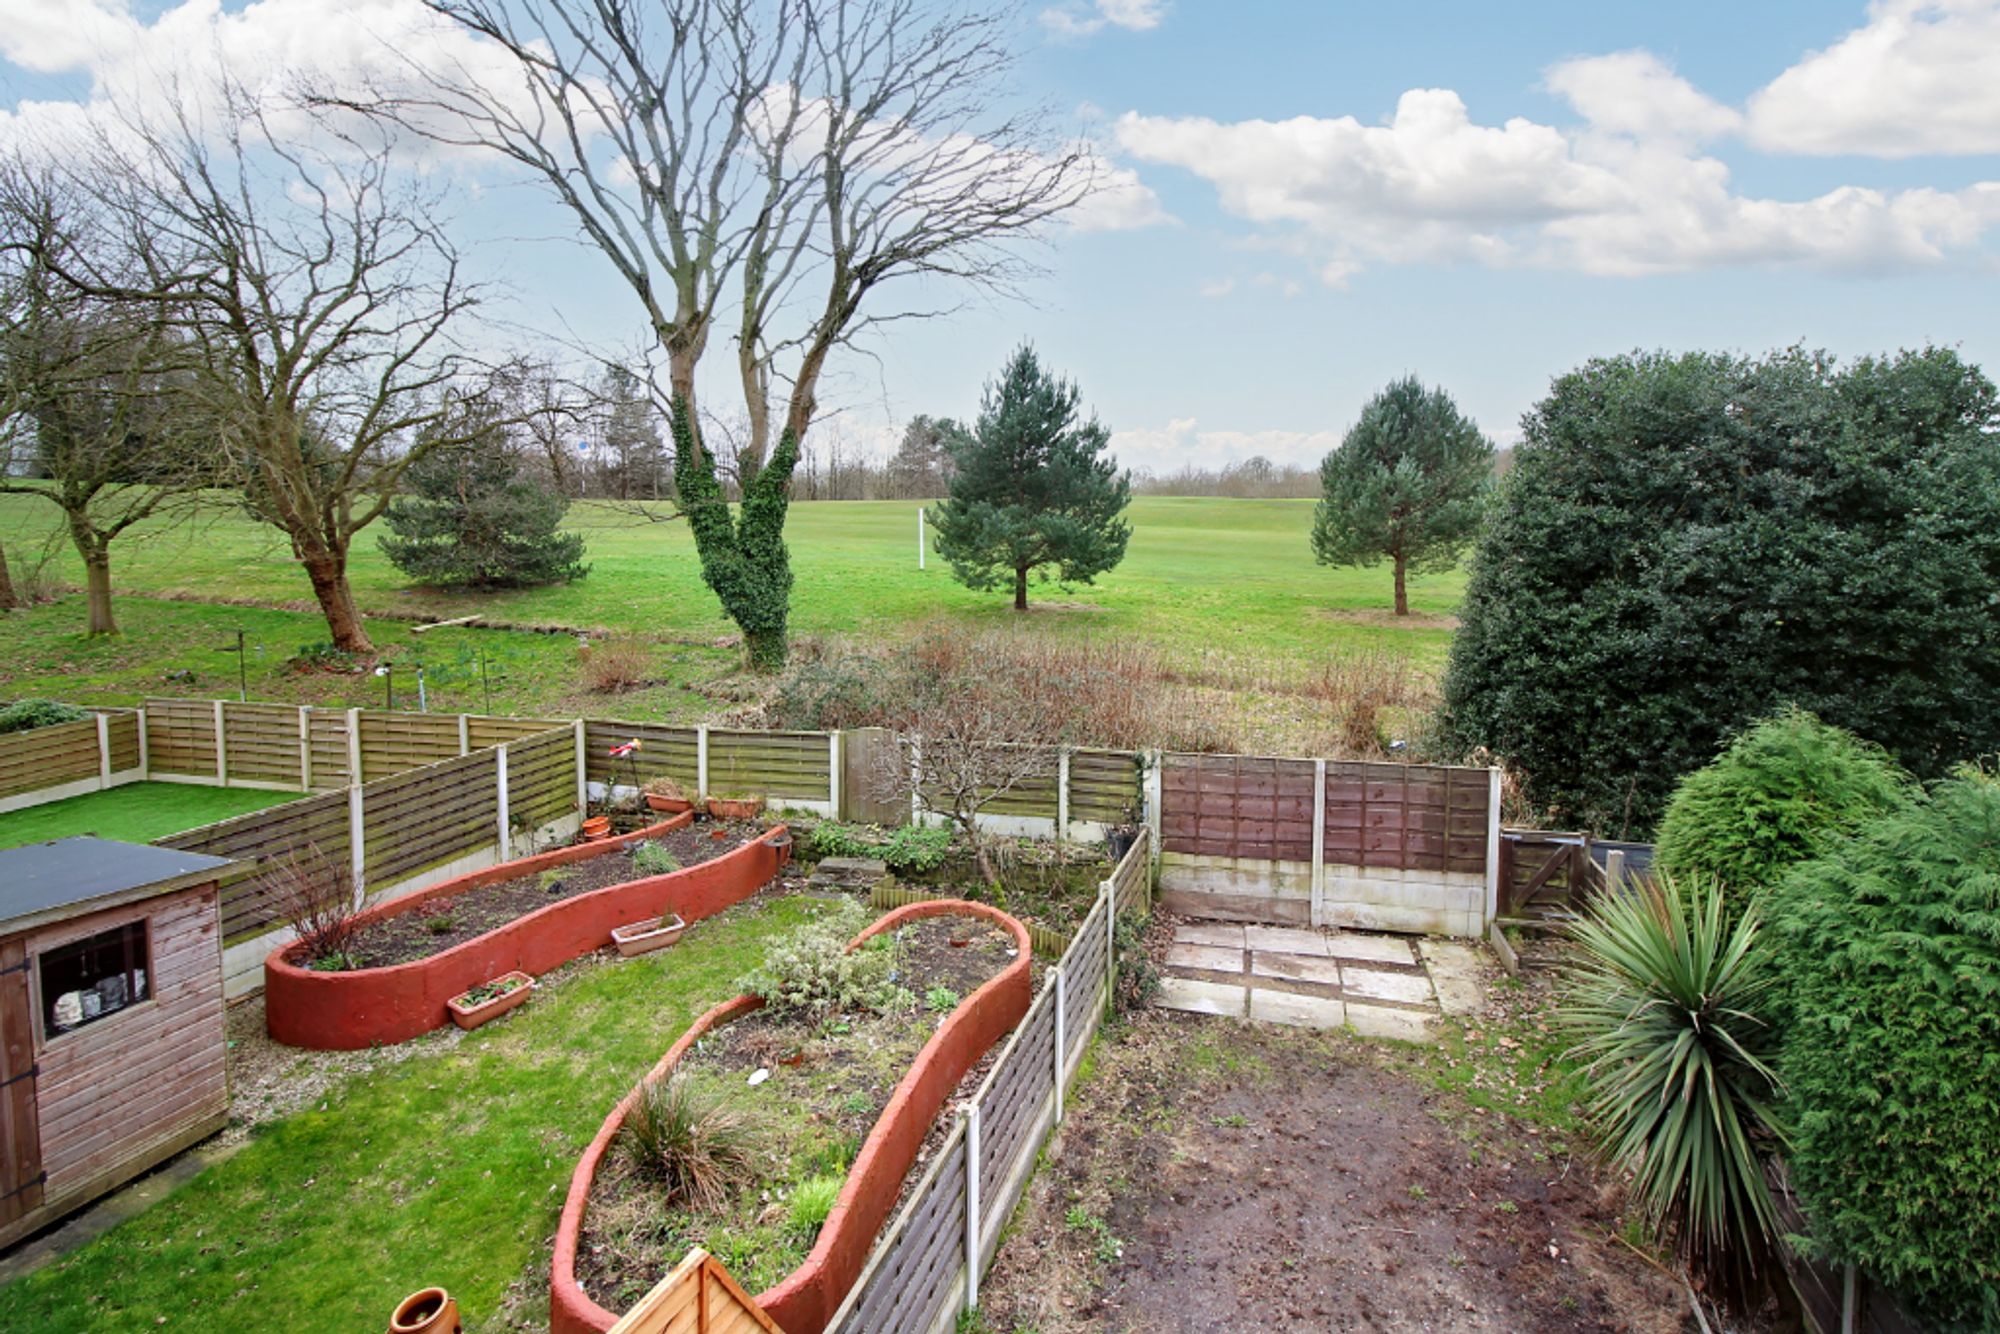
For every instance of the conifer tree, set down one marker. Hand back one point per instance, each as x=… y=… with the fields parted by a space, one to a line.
x=1032 y=488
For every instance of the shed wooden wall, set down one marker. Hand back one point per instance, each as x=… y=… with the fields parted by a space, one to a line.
x=120 y=1095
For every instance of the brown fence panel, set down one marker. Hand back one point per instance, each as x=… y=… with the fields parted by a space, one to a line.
x=48 y=756
x=1237 y=806
x=1525 y=857
x=180 y=737
x=425 y=817
x=541 y=778
x=483 y=730
x=1406 y=816
x=669 y=751
x=329 y=748
x=1104 y=786
x=121 y=729
x=310 y=823
x=392 y=743
x=261 y=742
x=913 y=1279
x=774 y=764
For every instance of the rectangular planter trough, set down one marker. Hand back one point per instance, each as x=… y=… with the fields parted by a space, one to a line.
x=652 y=934
x=471 y=1014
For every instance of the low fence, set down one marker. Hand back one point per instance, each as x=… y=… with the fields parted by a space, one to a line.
x=925 y=1269
x=70 y=759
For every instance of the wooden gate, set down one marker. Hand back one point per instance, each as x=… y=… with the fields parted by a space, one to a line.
x=21 y=1174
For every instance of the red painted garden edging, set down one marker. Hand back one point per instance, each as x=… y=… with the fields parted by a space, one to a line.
x=808 y=1297
x=350 y=1010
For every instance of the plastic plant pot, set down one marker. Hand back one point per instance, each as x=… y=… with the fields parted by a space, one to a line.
x=654 y=933
x=467 y=1012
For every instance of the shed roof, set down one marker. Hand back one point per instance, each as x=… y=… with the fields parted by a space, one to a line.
x=68 y=876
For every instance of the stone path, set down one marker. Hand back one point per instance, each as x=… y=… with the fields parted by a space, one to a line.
x=1380 y=985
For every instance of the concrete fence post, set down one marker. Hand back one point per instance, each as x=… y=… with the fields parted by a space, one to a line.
x=1057 y=973
x=1614 y=870
x=916 y=779
x=357 y=845
x=1062 y=794
x=221 y=748
x=305 y=748
x=354 y=774
x=582 y=771
x=103 y=751
x=1108 y=896
x=972 y=1206
x=500 y=792
x=145 y=749
x=1319 y=844
x=464 y=735
x=833 y=775
x=1492 y=844
x=1152 y=798
x=700 y=765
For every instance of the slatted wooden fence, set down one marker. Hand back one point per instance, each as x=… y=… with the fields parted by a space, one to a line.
x=671 y=752
x=297 y=828
x=925 y=1269
x=48 y=756
x=787 y=768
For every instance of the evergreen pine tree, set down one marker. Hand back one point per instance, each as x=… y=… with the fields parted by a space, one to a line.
x=1032 y=487
x=1409 y=482
x=477 y=517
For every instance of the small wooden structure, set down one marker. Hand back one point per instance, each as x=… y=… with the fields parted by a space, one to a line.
x=698 y=1297
x=111 y=1040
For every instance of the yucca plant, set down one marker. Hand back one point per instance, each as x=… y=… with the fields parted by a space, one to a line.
x=1667 y=1003
x=689 y=1143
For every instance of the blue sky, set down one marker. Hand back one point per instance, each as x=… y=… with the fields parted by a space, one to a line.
x=1324 y=196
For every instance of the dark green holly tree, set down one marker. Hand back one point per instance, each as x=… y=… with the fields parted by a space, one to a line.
x=1032 y=489
x=1408 y=483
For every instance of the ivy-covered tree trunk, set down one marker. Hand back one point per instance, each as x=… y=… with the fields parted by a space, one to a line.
x=7 y=599
x=743 y=557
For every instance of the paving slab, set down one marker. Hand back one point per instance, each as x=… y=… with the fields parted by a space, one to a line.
x=1295 y=968
x=1186 y=993
x=1285 y=940
x=1379 y=984
x=1370 y=949
x=1279 y=1007
x=1209 y=933
x=1212 y=958
x=1376 y=1021
x=1459 y=973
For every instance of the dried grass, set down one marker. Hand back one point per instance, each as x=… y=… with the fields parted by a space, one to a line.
x=609 y=666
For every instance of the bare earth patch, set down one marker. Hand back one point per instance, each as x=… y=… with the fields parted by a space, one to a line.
x=1216 y=1175
x=1385 y=618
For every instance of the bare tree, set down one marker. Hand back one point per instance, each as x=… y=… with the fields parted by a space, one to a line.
x=766 y=168
x=320 y=292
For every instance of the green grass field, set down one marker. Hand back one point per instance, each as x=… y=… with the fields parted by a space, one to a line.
x=135 y=813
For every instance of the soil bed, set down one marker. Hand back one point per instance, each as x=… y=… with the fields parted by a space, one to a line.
x=1220 y=1175
x=828 y=1081
x=443 y=923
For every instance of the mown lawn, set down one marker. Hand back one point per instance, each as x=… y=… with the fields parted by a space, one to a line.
x=135 y=813
x=449 y=1168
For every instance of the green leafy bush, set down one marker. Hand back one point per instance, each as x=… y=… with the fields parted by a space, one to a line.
x=1687 y=543
x=912 y=849
x=1890 y=950
x=1782 y=793
x=691 y=1144
x=1666 y=1002
x=830 y=838
x=26 y=714
x=652 y=858
x=811 y=972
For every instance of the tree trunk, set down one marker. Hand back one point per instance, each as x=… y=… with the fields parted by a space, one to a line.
x=1402 y=591
x=7 y=599
x=328 y=573
x=97 y=583
x=1021 y=588
x=767 y=648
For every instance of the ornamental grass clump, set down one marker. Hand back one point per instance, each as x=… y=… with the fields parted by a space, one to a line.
x=688 y=1143
x=1667 y=1003
x=1889 y=949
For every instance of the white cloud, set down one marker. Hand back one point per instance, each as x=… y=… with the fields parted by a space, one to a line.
x=1921 y=76
x=1118 y=202
x=1217 y=287
x=1623 y=193
x=1131 y=15
x=1183 y=443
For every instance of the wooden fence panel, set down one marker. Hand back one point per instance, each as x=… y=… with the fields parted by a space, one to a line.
x=47 y=756
x=1237 y=806
x=180 y=737
x=308 y=824
x=413 y=821
x=662 y=750
x=121 y=729
x=483 y=730
x=1104 y=786
x=1132 y=878
x=1014 y=1107
x=777 y=765
x=1406 y=817
x=261 y=742
x=392 y=743
x=328 y=731
x=912 y=1280
x=541 y=778
x=1525 y=854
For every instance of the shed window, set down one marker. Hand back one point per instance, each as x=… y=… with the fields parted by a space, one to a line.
x=93 y=978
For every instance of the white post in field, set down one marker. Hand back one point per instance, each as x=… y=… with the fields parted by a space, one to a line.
x=920 y=537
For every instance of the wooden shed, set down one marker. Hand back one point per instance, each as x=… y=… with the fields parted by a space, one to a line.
x=111 y=1041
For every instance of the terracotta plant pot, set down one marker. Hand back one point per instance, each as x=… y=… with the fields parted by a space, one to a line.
x=429 y=1311
x=652 y=934
x=596 y=827
x=734 y=808
x=472 y=1013
x=669 y=805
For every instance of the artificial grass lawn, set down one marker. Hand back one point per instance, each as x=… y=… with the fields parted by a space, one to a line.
x=447 y=1168
x=135 y=813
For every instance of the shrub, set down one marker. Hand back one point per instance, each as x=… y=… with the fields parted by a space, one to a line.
x=830 y=838
x=1782 y=793
x=913 y=849
x=651 y=858
x=810 y=971
x=26 y=714
x=314 y=895
x=1685 y=544
x=611 y=665
x=689 y=1143
x=1665 y=1002
x=811 y=1202
x=1890 y=950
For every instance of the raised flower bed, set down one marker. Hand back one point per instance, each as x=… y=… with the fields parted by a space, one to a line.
x=803 y=1300
x=407 y=994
